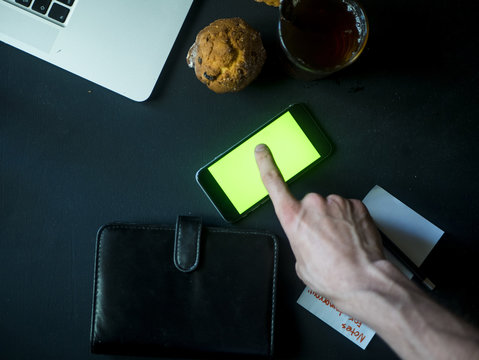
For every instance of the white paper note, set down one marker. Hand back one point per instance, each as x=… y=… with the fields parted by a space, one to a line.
x=323 y=308
x=411 y=232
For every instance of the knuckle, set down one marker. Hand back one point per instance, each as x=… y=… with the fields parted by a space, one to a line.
x=314 y=199
x=333 y=198
x=287 y=212
x=271 y=175
x=359 y=206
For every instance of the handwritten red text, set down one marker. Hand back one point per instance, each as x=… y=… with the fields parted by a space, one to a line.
x=325 y=301
x=354 y=332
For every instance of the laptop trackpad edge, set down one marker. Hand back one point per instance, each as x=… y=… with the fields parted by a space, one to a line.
x=18 y=27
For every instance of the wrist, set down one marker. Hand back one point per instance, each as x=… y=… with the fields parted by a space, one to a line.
x=408 y=320
x=382 y=288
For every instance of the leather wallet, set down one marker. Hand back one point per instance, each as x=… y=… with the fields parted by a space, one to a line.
x=184 y=290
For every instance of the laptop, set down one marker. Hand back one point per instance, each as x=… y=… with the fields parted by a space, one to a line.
x=121 y=45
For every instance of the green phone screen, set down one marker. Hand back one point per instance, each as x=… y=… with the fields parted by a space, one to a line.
x=237 y=173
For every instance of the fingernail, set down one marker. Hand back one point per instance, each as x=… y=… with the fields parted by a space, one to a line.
x=260 y=148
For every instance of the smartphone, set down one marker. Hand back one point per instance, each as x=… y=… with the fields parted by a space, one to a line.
x=232 y=181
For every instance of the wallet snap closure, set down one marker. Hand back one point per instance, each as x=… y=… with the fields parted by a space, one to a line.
x=187 y=243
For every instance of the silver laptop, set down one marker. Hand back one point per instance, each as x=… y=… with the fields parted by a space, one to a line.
x=119 y=44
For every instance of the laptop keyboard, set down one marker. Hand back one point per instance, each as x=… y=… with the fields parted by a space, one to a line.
x=56 y=11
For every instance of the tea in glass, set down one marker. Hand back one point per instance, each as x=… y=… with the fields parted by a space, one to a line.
x=319 y=37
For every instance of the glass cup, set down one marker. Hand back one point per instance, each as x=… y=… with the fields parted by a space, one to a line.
x=320 y=37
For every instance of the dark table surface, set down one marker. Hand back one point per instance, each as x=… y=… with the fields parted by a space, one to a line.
x=74 y=156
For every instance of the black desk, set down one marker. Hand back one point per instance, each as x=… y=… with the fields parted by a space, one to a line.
x=74 y=156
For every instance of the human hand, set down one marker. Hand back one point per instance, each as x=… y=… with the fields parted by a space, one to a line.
x=339 y=254
x=334 y=240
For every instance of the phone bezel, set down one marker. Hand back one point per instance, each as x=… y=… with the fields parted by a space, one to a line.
x=217 y=196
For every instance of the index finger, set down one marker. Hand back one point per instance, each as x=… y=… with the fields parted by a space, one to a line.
x=284 y=202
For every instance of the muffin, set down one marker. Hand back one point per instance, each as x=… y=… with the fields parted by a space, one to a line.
x=227 y=55
x=270 y=2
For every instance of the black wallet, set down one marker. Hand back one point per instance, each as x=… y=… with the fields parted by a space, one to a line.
x=184 y=290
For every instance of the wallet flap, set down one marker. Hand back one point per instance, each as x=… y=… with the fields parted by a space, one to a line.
x=187 y=243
